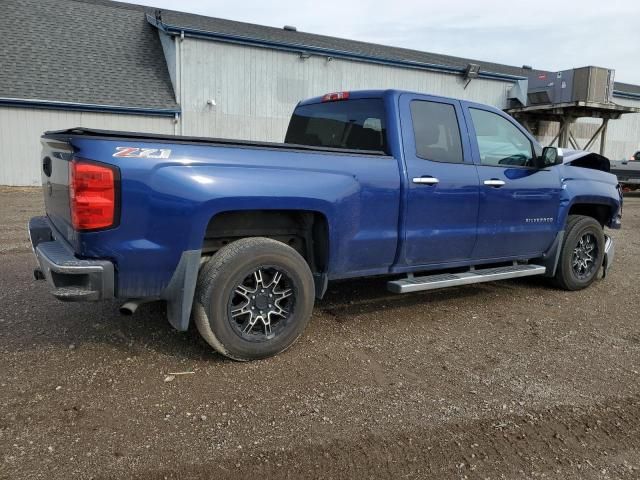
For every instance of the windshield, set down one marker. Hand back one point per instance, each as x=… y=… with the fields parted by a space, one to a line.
x=353 y=124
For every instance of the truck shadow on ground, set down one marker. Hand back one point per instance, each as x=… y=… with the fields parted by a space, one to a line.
x=74 y=325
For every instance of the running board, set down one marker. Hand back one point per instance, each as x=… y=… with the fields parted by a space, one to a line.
x=444 y=280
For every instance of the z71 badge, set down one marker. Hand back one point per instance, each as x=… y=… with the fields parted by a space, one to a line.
x=134 y=152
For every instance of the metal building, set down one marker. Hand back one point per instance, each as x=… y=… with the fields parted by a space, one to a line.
x=103 y=64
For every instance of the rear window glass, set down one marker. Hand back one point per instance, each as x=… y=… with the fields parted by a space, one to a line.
x=353 y=124
x=436 y=131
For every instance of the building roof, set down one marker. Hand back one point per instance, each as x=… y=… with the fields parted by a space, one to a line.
x=364 y=49
x=100 y=52
x=82 y=52
x=303 y=39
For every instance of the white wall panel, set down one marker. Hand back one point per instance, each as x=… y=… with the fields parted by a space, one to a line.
x=256 y=89
x=21 y=128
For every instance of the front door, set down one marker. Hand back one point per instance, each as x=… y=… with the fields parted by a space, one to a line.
x=519 y=203
x=442 y=192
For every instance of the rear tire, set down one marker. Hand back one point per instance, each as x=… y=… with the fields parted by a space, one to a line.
x=582 y=253
x=253 y=298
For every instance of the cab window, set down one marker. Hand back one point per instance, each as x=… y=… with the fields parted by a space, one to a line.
x=500 y=142
x=357 y=124
x=435 y=127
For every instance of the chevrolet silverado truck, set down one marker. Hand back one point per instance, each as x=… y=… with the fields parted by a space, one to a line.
x=241 y=237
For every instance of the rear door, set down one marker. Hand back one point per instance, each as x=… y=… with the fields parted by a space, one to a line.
x=519 y=203
x=442 y=191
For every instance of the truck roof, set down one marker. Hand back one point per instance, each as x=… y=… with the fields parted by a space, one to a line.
x=379 y=93
x=356 y=94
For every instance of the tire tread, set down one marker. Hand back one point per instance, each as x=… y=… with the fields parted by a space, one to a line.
x=209 y=275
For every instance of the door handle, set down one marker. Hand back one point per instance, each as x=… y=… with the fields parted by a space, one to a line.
x=426 y=180
x=494 y=182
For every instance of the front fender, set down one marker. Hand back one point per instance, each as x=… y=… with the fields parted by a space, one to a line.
x=588 y=187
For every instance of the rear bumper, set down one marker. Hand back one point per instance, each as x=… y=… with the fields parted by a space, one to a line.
x=609 y=254
x=72 y=279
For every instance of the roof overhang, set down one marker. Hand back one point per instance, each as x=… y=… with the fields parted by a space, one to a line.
x=176 y=30
x=85 y=107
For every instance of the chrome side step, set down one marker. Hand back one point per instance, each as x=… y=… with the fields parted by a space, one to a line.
x=444 y=280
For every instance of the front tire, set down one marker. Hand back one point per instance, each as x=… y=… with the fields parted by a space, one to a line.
x=582 y=253
x=253 y=299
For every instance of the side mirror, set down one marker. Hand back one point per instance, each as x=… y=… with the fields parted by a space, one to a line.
x=550 y=156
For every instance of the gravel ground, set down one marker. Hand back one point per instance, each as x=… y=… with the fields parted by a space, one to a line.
x=507 y=380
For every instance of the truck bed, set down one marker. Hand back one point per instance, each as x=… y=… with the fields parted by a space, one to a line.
x=209 y=141
x=627 y=171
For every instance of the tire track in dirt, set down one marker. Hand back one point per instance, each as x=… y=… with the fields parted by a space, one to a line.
x=597 y=441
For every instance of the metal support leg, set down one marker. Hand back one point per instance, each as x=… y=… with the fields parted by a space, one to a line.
x=603 y=135
x=565 y=131
x=595 y=135
x=573 y=141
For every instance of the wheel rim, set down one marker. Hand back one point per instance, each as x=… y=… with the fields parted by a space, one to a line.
x=262 y=304
x=584 y=256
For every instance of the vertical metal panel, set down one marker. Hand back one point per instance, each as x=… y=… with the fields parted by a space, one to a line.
x=256 y=89
x=21 y=128
x=623 y=135
x=170 y=56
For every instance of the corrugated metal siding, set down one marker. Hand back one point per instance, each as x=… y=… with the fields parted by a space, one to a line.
x=623 y=135
x=21 y=128
x=256 y=89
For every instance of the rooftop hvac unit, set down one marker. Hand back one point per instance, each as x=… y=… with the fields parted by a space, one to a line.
x=593 y=84
x=586 y=84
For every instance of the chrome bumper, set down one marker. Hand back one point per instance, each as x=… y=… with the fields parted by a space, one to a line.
x=609 y=254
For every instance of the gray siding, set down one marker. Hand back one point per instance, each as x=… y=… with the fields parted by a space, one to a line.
x=21 y=128
x=256 y=89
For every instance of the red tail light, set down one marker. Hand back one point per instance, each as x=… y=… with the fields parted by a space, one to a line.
x=92 y=195
x=332 y=97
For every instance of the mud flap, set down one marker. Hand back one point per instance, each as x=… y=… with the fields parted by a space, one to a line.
x=321 y=281
x=181 y=289
x=552 y=256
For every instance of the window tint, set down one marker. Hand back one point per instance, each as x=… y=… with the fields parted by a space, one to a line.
x=499 y=141
x=354 y=124
x=435 y=127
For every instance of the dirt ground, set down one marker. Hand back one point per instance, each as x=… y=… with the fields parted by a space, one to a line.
x=512 y=380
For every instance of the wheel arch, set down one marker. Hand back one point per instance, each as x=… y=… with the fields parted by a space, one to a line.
x=602 y=212
x=307 y=231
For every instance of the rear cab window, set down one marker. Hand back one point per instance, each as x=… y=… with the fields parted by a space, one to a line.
x=436 y=131
x=355 y=124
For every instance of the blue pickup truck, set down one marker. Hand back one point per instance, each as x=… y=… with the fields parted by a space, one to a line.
x=242 y=237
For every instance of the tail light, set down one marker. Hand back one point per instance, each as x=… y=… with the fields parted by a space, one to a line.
x=333 y=97
x=92 y=195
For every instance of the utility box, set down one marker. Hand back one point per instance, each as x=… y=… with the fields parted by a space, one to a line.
x=586 y=84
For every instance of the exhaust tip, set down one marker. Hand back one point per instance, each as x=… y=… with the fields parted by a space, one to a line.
x=129 y=308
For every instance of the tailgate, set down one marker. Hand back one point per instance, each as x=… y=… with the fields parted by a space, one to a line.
x=55 y=160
